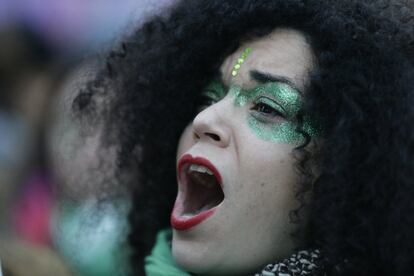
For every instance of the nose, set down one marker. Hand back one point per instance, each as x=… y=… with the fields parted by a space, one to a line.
x=212 y=125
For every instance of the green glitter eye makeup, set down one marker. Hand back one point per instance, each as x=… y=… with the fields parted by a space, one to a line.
x=274 y=108
x=266 y=107
x=288 y=98
x=279 y=96
x=215 y=91
x=271 y=110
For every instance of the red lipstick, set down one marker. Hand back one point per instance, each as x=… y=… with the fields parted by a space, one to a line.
x=180 y=221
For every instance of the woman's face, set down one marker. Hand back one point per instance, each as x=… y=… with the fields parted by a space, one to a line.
x=236 y=175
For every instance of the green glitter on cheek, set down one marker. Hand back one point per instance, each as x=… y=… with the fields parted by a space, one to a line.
x=283 y=132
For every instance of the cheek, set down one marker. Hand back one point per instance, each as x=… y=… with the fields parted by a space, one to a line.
x=262 y=201
x=271 y=177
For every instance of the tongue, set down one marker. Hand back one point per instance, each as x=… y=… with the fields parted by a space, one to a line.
x=203 y=193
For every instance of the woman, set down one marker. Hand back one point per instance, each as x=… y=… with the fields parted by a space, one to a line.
x=292 y=120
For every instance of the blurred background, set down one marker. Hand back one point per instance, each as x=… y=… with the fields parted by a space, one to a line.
x=53 y=217
x=59 y=215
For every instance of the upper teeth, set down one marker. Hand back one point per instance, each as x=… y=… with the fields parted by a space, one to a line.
x=199 y=168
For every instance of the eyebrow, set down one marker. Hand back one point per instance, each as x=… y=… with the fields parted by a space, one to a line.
x=263 y=78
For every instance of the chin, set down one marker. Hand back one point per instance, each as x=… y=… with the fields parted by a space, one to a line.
x=198 y=258
x=189 y=257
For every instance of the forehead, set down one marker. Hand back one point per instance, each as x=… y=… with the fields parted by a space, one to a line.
x=283 y=53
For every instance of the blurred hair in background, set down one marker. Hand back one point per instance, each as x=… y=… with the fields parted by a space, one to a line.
x=58 y=215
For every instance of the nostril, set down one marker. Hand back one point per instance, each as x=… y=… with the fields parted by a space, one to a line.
x=213 y=136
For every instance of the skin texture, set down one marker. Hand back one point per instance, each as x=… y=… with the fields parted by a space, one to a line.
x=251 y=227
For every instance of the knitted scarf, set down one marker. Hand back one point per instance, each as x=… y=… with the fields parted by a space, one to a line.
x=305 y=262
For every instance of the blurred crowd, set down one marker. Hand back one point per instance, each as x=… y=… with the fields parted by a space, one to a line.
x=54 y=219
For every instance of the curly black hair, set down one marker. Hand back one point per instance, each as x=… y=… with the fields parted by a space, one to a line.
x=362 y=210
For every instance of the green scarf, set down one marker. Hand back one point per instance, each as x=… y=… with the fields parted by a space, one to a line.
x=161 y=262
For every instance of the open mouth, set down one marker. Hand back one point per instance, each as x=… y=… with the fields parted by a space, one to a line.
x=200 y=192
x=203 y=191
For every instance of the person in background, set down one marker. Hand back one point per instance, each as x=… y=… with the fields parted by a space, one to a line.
x=28 y=76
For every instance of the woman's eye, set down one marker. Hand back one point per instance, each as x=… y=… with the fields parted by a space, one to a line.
x=267 y=110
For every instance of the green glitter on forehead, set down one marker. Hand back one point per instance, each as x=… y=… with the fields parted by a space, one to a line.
x=240 y=61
